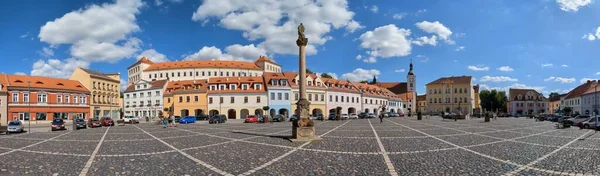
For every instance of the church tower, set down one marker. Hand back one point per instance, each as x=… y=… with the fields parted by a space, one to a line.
x=410 y=79
x=411 y=83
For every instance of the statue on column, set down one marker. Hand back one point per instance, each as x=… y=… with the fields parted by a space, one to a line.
x=302 y=40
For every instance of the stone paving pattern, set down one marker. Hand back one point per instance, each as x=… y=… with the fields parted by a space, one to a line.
x=506 y=146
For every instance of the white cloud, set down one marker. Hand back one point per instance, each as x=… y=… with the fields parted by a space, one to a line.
x=423 y=58
x=399 y=71
x=370 y=60
x=153 y=55
x=46 y=52
x=564 y=65
x=424 y=40
x=20 y=73
x=589 y=37
x=399 y=16
x=419 y=12
x=455 y=61
x=572 y=5
x=475 y=68
x=275 y=22
x=123 y=85
x=505 y=69
x=528 y=76
x=497 y=79
x=57 y=68
x=361 y=74
x=514 y=86
x=24 y=35
x=358 y=57
x=460 y=48
x=436 y=28
x=386 y=41
x=560 y=79
x=374 y=9
x=547 y=65
x=98 y=32
x=584 y=80
x=597 y=73
x=232 y=52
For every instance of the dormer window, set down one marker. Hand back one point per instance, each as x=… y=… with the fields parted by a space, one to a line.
x=213 y=87
x=274 y=82
x=244 y=86
x=221 y=87
x=231 y=86
x=318 y=83
x=256 y=86
x=284 y=82
x=310 y=83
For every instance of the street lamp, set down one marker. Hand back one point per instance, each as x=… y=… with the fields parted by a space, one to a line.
x=29 y=105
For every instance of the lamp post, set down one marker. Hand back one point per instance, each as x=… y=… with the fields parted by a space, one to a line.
x=29 y=106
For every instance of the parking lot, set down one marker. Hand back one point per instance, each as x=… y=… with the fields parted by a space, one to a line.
x=398 y=146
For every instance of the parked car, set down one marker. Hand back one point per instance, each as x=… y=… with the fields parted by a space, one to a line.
x=279 y=118
x=217 y=119
x=588 y=123
x=107 y=121
x=345 y=116
x=362 y=115
x=575 y=120
x=386 y=115
x=15 y=127
x=331 y=117
x=187 y=119
x=553 y=118
x=294 y=117
x=94 y=122
x=202 y=117
x=80 y=123
x=58 y=124
x=251 y=119
x=353 y=116
x=400 y=115
x=129 y=119
x=371 y=115
x=319 y=116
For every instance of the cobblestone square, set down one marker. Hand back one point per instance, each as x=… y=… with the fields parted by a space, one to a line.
x=398 y=146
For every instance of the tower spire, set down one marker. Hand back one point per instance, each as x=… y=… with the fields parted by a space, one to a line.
x=410 y=72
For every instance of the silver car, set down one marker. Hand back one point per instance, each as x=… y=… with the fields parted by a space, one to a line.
x=15 y=127
x=345 y=116
x=589 y=123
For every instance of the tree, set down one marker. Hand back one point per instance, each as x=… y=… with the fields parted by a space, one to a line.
x=552 y=94
x=325 y=75
x=308 y=71
x=374 y=80
x=493 y=100
x=567 y=110
x=364 y=82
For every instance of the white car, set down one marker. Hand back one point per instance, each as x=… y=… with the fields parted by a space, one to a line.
x=345 y=116
x=128 y=119
x=353 y=116
x=15 y=127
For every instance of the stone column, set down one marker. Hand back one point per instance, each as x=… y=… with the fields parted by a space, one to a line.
x=304 y=128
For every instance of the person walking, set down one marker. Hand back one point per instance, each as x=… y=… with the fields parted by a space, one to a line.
x=165 y=122
x=381 y=118
x=174 y=123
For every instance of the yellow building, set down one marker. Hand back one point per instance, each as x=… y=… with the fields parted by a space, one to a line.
x=186 y=98
x=421 y=103
x=450 y=95
x=105 y=91
x=315 y=93
x=477 y=108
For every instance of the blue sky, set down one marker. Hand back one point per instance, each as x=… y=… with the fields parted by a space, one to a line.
x=548 y=45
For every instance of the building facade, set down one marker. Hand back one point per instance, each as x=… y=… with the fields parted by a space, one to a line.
x=450 y=95
x=136 y=70
x=237 y=97
x=573 y=99
x=44 y=99
x=315 y=93
x=373 y=98
x=527 y=102
x=554 y=103
x=105 y=91
x=343 y=94
x=405 y=90
x=421 y=103
x=186 y=98
x=279 y=93
x=590 y=100
x=3 y=105
x=144 y=99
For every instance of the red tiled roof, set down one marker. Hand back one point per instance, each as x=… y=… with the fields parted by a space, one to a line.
x=292 y=75
x=203 y=64
x=270 y=76
x=452 y=79
x=41 y=82
x=142 y=60
x=396 y=87
x=513 y=93
x=265 y=59
x=579 y=90
x=421 y=97
x=336 y=82
x=251 y=79
x=192 y=85
x=238 y=81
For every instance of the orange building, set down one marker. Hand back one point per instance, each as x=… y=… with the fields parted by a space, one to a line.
x=46 y=98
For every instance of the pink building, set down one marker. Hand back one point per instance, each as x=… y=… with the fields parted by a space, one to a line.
x=527 y=102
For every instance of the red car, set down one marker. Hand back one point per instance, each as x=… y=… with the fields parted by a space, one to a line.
x=95 y=122
x=251 y=119
x=400 y=115
x=107 y=121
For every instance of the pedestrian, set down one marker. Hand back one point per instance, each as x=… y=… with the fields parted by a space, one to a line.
x=165 y=122
x=174 y=124
x=381 y=118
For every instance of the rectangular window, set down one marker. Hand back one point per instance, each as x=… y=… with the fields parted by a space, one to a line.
x=322 y=97
x=208 y=73
x=180 y=99
x=157 y=102
x=157 y=93
x=210 y=100
x=257 y=99
x=196 y=98
x=83 y=99
x=279 y=97
x=202 y=73
x=232 y=100
x=272 y=96
x=245 y=99
x=187 y=98
x=296 y=98
x=179 y=74
x=58 y=98
x=330 y=98
x=15 y=97
x=287 y=96
x=336 y=98
x=309 y=97
x=67 y=99
x=168 y=100
x=26 y=97
x=221 y=100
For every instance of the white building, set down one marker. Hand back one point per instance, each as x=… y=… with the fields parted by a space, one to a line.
x=144 y=98
x=342 y=94
x=373 y=98
x=236 y=97
x=574 y=97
